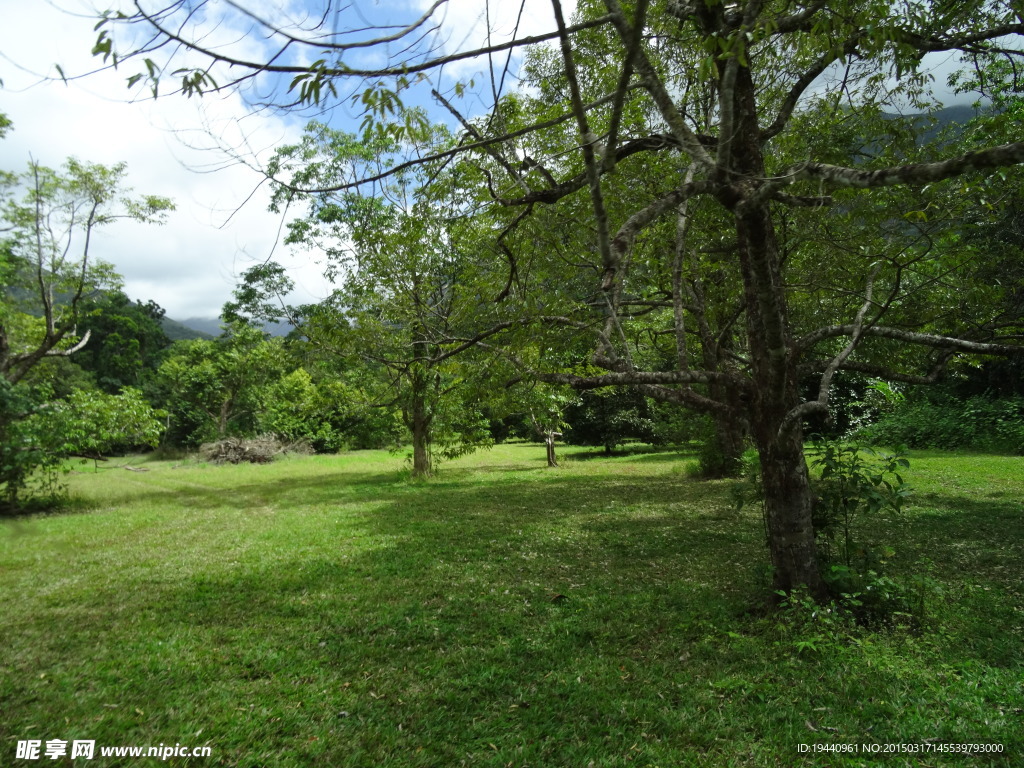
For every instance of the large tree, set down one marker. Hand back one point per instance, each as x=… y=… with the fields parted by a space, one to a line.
x=727 y=88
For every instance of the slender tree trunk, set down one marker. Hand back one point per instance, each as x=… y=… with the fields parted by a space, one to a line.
x=223 y=416
x=420 y=425
x=549 y=440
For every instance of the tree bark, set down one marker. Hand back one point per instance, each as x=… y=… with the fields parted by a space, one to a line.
x=784 y=474
x=549 y=440
x=420 y=425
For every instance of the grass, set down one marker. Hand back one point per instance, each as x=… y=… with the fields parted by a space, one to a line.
x=326 y=611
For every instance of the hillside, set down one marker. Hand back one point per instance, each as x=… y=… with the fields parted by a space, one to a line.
x=177 y=331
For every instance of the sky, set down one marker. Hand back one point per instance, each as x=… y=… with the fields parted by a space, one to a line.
x=221 y=225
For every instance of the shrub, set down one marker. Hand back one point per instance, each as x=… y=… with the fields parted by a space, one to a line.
x=857 y=482
x=942 y=421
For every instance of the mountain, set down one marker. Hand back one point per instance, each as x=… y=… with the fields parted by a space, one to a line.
x=179 y=331
x=211 y=327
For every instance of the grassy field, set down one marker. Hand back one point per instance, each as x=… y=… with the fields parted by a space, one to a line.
x=326 y=611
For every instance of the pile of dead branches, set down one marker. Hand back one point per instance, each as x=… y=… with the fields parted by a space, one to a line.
x=254 y=450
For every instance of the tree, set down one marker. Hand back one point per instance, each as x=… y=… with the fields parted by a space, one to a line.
x=49 y=273
x=411 y=293
x=760 y=67
x=49 y=237
x=127 y=341
x=212 y=389
x=93 y=424
x=610 y=418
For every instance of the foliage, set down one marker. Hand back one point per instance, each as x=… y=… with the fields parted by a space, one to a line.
x=49 y=233
x=216 y=388
x=297 y=409
x=746 y=210
x=49 y=221
x=410 y=286
x=854 y=481
x=941 y=420
x=127 y=341
x=28 y=470
x=855 y=484
x=609 y=418
x=95 y=424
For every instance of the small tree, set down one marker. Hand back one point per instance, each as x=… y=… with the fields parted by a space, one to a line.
x=50 y=271
x=216 y=388
x=49 y=236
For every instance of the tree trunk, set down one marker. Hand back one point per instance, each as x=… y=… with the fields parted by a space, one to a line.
x=787 y=492
x=549 y=440
x=420 y=425
x=223 y=416
x=788 y=505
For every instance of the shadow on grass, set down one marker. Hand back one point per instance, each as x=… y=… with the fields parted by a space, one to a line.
x=477 y=615
x=640 y=453
x=544 y=618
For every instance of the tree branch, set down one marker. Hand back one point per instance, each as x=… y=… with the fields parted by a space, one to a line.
x=910 y=337
x=915 y=173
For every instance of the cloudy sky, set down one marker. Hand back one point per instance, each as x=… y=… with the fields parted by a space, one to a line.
x=189 y=266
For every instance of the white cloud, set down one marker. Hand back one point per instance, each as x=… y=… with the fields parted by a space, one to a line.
x=189 y=265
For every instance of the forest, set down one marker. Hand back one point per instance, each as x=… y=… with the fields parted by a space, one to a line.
x=690 y=325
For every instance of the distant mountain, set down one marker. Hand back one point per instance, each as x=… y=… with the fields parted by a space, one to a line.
x=958 y=115
x=179 y=331
x=211 y=327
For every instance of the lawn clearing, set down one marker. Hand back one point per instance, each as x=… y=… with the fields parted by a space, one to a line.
x=325 y=611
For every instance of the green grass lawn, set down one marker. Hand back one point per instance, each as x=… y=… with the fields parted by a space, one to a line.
x=326 y=611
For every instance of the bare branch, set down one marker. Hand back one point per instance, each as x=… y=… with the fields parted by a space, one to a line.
x=79 y=345
x=688 y=140
x=804 y=82
x=798 y=21
x=623 y=85
x=635 y=378
x=341 y=71
x=881 y=372
x=797 y=414
x=910 y=337
x=915 y=173
x=608 y=256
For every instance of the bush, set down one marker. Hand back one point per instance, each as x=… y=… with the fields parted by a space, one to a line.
x=942 y=421
x=855 y=483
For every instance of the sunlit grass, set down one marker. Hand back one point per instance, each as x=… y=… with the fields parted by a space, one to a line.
x=328 y=611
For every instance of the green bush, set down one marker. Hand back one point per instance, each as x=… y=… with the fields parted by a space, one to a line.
x=856 y=483
x=28 y=470
x=942 y=421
